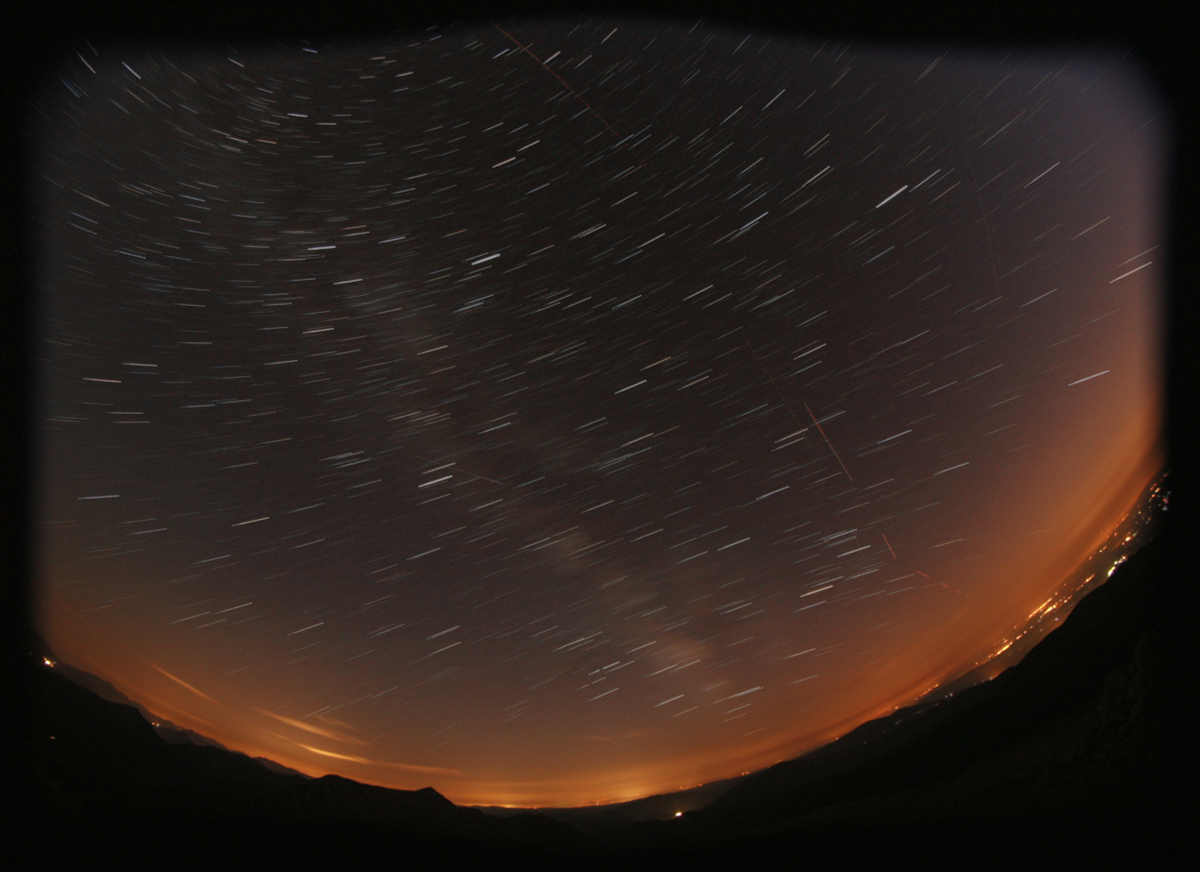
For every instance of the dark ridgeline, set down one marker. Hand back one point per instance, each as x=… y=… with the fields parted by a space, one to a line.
x=96 y=779
x=1074 y=753
x=1078 y=752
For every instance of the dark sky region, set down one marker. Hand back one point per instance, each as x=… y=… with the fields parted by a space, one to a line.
x=579 y=410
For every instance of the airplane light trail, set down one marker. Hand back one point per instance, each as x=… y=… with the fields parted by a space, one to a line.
x=889 y=545
x=524 y=48
x=830 y=444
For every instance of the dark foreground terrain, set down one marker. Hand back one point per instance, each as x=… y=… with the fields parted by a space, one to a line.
x=1075 y=755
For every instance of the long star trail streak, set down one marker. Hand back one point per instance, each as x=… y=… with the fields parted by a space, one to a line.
x=827 y=442
x=460 y=469
x=576 y=95
x=561 y=80
x=771 y=378
x=889 y=545
x=391 y=410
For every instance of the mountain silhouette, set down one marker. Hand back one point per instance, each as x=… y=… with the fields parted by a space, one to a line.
x=1080 y=754
x=1077 y=750
x=94 y=775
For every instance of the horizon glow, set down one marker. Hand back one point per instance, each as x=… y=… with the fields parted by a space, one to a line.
x=572 y=412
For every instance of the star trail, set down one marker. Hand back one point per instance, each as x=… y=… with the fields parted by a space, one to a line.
x=561 y=411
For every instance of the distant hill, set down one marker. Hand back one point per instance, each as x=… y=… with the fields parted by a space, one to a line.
x=169 y=732
x=96 y=685
x=663 y=806
x=1078 y=749
x=94 y=777
x=1091 y=679
x=1076 y=752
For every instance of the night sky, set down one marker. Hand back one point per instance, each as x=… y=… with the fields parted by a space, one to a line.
x=571 y=411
